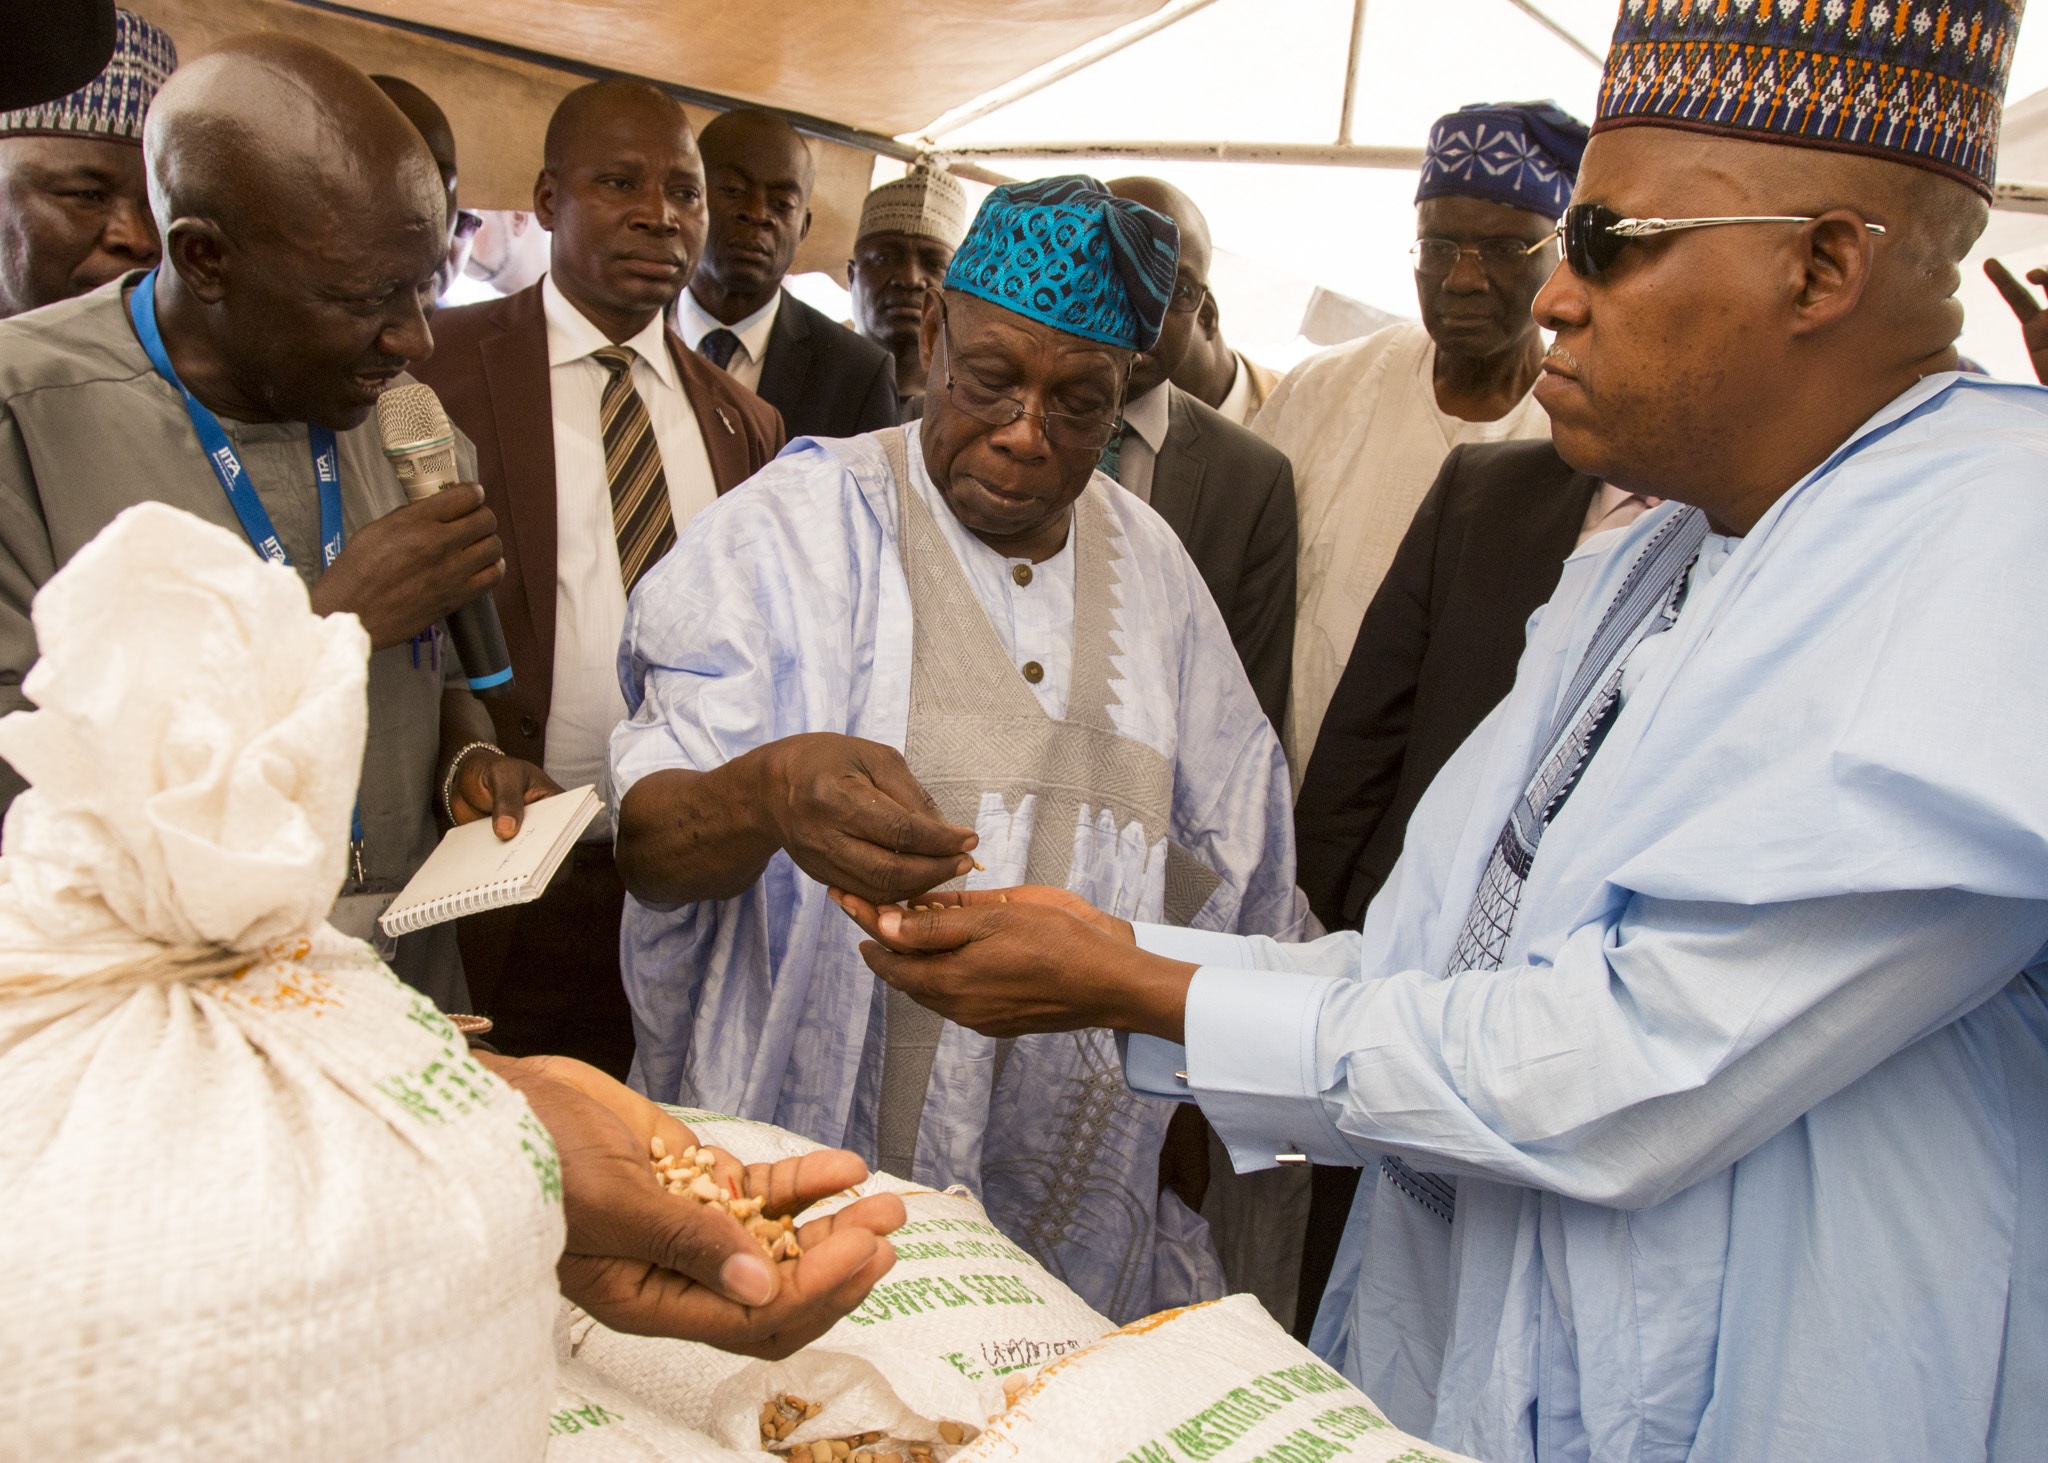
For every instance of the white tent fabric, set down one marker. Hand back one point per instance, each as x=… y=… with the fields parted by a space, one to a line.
x=1247 y=70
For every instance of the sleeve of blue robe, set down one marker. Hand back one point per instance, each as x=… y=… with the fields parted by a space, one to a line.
x=1654 y=1053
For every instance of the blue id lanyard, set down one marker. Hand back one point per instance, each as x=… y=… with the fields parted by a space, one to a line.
x=227 y=463
x=234 y=478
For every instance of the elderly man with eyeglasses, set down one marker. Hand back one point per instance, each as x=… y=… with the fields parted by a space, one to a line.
x=1699 y=1039
x=1368 y=423
x=949 y=654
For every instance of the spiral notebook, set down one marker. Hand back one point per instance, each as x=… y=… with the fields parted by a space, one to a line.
x=473 y=870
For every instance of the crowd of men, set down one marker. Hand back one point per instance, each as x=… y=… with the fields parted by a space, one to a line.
x=998 y=698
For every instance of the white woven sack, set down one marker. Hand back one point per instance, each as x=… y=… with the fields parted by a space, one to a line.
x=1215 y=1383
x=594 y=1422
x=962 y=1309
x=259 y=1201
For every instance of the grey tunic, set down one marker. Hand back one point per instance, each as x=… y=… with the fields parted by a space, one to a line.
x=88 y=428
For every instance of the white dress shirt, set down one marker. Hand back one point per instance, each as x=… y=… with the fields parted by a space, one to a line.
x=694 y=322
x=590 y=598
x=1030 y=605
x=1237 y=402
x=1145 y=417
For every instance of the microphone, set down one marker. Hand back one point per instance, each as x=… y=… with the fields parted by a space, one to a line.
x=419 y=441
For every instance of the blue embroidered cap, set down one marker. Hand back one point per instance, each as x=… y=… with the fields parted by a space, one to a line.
x=112 y=104
x=1523 y=154
x=1917 y=81
x=1068 y=252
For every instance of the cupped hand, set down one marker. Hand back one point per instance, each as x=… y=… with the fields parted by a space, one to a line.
x=415 y=565
x=1048 y=895
x=645 y=1261
x=1010 y=968
x=491 y=783
x=852 y=816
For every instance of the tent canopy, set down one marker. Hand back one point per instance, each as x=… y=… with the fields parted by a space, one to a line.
x=866 y=69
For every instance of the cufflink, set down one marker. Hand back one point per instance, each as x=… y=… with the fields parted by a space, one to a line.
x=1180 y=1076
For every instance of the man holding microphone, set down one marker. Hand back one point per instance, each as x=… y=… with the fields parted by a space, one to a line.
x=237 y=381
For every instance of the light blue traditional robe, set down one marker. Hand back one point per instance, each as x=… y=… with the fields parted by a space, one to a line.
x=785 y=608
x=1750 y=1131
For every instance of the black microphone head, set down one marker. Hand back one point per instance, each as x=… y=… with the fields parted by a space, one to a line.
x=411 y=417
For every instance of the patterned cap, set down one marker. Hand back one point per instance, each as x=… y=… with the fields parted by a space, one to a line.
x=924 y=202
x=1523 y=154
x=1068 y=252
x=1919 y=81
x=112 y=104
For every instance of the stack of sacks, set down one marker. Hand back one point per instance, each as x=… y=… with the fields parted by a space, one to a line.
x=922 y=1362
x=260 y=1202
x=969 y=1351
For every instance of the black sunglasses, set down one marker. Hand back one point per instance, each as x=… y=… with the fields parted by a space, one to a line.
x=1594 y=235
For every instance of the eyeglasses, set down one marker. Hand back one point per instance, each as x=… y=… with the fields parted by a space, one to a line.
x=1186 y=298
x=1594 y=236
x=467 y=222
x=1062 y=429
x=1438 y=257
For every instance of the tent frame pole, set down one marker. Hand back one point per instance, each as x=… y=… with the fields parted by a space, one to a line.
x=1352 y=66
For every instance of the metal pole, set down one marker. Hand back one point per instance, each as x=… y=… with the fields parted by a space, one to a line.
x=1351 y=67
x=1057 y=69
x=1537 y=14
x=1298 y=154
x=820 y=127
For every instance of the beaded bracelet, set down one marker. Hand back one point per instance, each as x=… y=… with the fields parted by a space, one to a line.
x=455 y=770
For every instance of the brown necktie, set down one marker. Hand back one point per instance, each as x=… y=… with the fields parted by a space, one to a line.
x=641 y=519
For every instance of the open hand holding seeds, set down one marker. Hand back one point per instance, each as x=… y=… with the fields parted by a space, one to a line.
x=688 y=1174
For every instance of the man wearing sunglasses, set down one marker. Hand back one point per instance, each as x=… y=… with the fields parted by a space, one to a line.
x=1697 y=1046
x=943 y=653
x=1368 y=423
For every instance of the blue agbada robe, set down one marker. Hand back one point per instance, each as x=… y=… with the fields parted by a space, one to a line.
x=1750 y=1131
x=784 y=608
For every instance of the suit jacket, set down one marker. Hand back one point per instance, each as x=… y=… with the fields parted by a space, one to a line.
x=825 y=380
x=490 y=367
x=1230 y=497
x=1437 y=650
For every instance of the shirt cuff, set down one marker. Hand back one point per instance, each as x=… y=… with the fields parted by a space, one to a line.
x=1251 y=1062
x=1196 y=947
x=1154 y=1068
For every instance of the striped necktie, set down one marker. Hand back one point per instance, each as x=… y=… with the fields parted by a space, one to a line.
x=641 y=519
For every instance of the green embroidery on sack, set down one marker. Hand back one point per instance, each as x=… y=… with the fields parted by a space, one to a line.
x=581 y=1419
x=539 y=1147
x=1225 y=1422
x=935 y=1292
x=446 y=1088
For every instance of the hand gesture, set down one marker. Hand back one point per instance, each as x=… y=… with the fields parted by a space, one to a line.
x=852 y=816
x=492 y=783
x=645 y=1261
x=2033 y=318
x=414 y=565
x=1005 y=964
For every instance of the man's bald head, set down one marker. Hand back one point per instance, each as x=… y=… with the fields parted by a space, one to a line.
x=303 y=221
x=621 y=194
x=760 y=175
x=756 y=136
x=1162 y=197
x=1718 y=366
x=1169 y=353
x=268 y=131
x=601 y=107
x=431 y=123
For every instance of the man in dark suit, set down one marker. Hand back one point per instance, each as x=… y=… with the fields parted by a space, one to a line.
x=598 y=434
x=1436 y=652
x=1227 y=494
x=825 y=380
